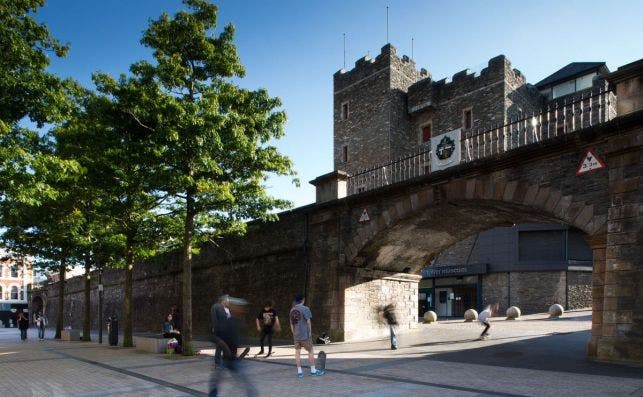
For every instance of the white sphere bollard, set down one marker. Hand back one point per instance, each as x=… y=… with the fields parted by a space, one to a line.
x=470 y=315
x=430 y=317
x=513 y=313
x=556 y=311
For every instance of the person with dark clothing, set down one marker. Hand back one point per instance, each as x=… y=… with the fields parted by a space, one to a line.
x=219 y=314
x=170 y=332
x=227 y=338
x=23 y=325
x=267 y=323
x=176 y=318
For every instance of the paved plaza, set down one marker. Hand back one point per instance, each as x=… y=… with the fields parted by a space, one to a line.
x=533 y=356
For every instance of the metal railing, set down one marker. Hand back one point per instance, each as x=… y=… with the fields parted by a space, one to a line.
x=558 y=119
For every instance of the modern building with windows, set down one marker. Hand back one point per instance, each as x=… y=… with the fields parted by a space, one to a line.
x=501 y=265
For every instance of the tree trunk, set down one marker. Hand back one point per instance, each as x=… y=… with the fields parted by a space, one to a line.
x=127 y=302
x=61 y=298
x=87 y=304
x=186 y=332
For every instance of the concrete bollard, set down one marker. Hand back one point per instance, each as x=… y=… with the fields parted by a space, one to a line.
x=470 y=315
x=556 y=311
x=513 y=313
x=430 y=317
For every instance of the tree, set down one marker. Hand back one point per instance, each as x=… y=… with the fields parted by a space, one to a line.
x=217 y=135
x=26 y=89
x=113 y=138
x=44 y=222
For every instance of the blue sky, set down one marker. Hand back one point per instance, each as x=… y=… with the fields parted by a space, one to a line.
x=292 y=48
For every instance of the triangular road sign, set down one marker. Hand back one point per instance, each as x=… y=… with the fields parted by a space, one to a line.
x=364 y=217
x=590 y=162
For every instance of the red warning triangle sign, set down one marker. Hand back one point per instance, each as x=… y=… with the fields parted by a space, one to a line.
x=590 y=162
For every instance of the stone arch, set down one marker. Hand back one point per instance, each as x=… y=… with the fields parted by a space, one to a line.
x=513 y=202
x=37 y=304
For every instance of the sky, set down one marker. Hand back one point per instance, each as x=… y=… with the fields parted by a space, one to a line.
x=293 y=47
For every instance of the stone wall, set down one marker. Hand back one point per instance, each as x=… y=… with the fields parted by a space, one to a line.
x=534 y=292
x=495 y=290
x=377 y=127
x=363 y=299
x=483 y=94
x=579 y=290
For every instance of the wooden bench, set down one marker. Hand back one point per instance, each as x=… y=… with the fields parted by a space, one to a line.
x=70 y=334
x=151 y=343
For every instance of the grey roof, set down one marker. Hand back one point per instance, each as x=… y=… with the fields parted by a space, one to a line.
x=574 y=69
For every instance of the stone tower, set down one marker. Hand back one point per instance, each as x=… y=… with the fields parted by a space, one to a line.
x=371 y=121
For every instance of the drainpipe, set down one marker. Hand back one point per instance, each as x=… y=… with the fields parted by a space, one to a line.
x=306 y=258
x=508 y=290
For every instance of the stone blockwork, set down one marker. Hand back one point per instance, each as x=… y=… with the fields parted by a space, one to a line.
x=534 y=292
x=495 y=290
x=363 y=299
x=579 y=290
x=370 y=117
x=412 y=221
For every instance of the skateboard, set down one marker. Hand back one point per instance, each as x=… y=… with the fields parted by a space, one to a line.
x=320 y=363
x=244 y=353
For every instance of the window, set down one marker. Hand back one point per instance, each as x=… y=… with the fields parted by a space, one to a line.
x=345 y=154
x=571 y=86
x=14 y=292
x=541 y=245
x=426 y=132
x=467 y=119
x=1 y=292
x=344 y=114
x=14 y=271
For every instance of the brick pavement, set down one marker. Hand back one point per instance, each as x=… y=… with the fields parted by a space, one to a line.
x=530 y=357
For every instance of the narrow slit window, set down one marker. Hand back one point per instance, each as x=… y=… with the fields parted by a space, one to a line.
x=345 y=154
x=467 y=117
x=344 y=110
x=426 y=132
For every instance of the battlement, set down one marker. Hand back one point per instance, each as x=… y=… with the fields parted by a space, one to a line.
x=429 y=91
x=367 y=66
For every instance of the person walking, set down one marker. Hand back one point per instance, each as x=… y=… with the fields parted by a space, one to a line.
x=301 y=327
x=387 y=312
x=267 y=323
x=23 y=325
x=227 y=339
x=219 y=314
x=41 y=324
x=484 y=317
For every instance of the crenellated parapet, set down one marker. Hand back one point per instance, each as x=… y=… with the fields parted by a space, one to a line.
x=366 y=67
x=428 y=92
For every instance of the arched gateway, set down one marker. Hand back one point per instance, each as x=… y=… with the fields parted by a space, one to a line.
x=349 y=253
x=370 y=246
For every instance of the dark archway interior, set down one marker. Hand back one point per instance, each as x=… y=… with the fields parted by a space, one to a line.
x=410 y=244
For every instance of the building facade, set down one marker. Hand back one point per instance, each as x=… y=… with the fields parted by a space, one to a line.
x=16 y=278
x=385 y=110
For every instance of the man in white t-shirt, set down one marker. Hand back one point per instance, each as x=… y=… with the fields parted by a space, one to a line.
x=484 y=317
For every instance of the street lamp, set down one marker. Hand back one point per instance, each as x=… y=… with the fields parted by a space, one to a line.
x=100 y=304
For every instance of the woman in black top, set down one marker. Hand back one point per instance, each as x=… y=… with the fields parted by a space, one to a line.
x=23 y=325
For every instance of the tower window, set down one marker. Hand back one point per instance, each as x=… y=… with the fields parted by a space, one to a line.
x=426 y=132
x=344 y=154
x=344 y=110
x=467 y=119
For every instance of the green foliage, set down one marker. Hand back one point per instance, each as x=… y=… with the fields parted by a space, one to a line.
x=26 y=89
x=216 y=134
